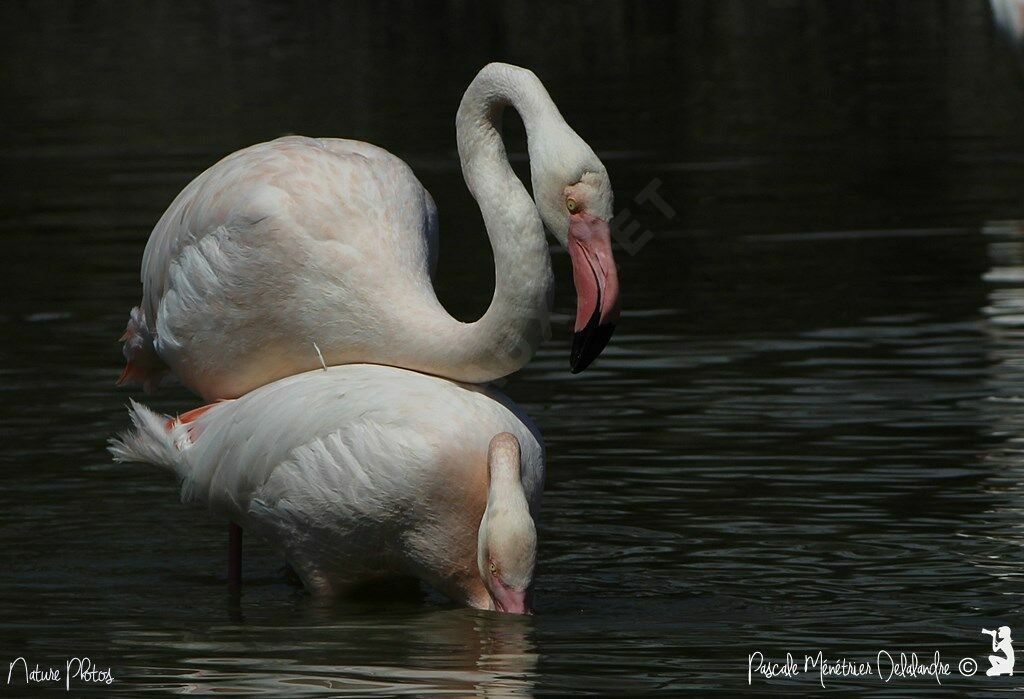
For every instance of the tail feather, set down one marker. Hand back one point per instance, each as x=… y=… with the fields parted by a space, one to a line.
x=156 y=439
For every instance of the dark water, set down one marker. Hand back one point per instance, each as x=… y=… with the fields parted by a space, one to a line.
x=807 y=434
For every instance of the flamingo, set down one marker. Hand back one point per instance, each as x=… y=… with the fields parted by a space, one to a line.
x=307 y=252
x=1008 y=16
x=361 y=472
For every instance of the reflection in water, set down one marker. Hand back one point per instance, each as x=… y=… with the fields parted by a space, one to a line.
x=448 y=653
x=1004 y=314
x=1005 y=309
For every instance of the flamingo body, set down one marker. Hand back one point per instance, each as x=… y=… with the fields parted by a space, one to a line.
x=355 y=473
x=303 y=252
x=283 y=245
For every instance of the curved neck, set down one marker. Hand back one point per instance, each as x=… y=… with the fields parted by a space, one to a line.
x=517 y=320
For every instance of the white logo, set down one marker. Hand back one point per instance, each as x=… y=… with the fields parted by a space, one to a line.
x=1001 y=643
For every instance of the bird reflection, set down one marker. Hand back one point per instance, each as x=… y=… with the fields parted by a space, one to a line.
x=506 y=654
x=454 y=652
x=352 y=649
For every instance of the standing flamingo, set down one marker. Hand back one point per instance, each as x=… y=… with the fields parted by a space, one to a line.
x=362 y=472
x=303 y=252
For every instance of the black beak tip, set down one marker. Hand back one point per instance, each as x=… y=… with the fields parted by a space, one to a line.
x=588 y=343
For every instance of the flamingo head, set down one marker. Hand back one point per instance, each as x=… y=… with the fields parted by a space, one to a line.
x=574 y=198
x=507 y=539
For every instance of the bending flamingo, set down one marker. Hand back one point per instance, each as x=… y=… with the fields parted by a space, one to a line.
x=364 y=472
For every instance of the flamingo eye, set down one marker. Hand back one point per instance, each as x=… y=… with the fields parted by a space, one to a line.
x=572 y=205
x=494 y=568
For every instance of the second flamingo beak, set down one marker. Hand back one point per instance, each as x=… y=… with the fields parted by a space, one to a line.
x=597 y=288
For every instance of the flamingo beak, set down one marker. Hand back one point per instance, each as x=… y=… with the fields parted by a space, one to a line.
x=597 y=288
x=511 y=601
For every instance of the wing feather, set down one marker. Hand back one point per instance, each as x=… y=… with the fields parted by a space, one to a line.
x=333 y=191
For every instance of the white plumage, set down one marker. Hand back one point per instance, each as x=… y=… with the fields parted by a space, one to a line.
x=299 y=247
x=303 y=253
x=364 y=471
x=1009 y=19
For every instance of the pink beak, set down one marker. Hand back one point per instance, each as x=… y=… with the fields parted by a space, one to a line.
x=511 y=601
x=597 y=288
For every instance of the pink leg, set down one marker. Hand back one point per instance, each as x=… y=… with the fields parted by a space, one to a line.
x=234 y=557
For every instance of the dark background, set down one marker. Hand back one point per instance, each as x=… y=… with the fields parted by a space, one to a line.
x=804 y=435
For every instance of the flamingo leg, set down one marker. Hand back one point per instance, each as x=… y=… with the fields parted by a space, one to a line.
x=234 y=557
